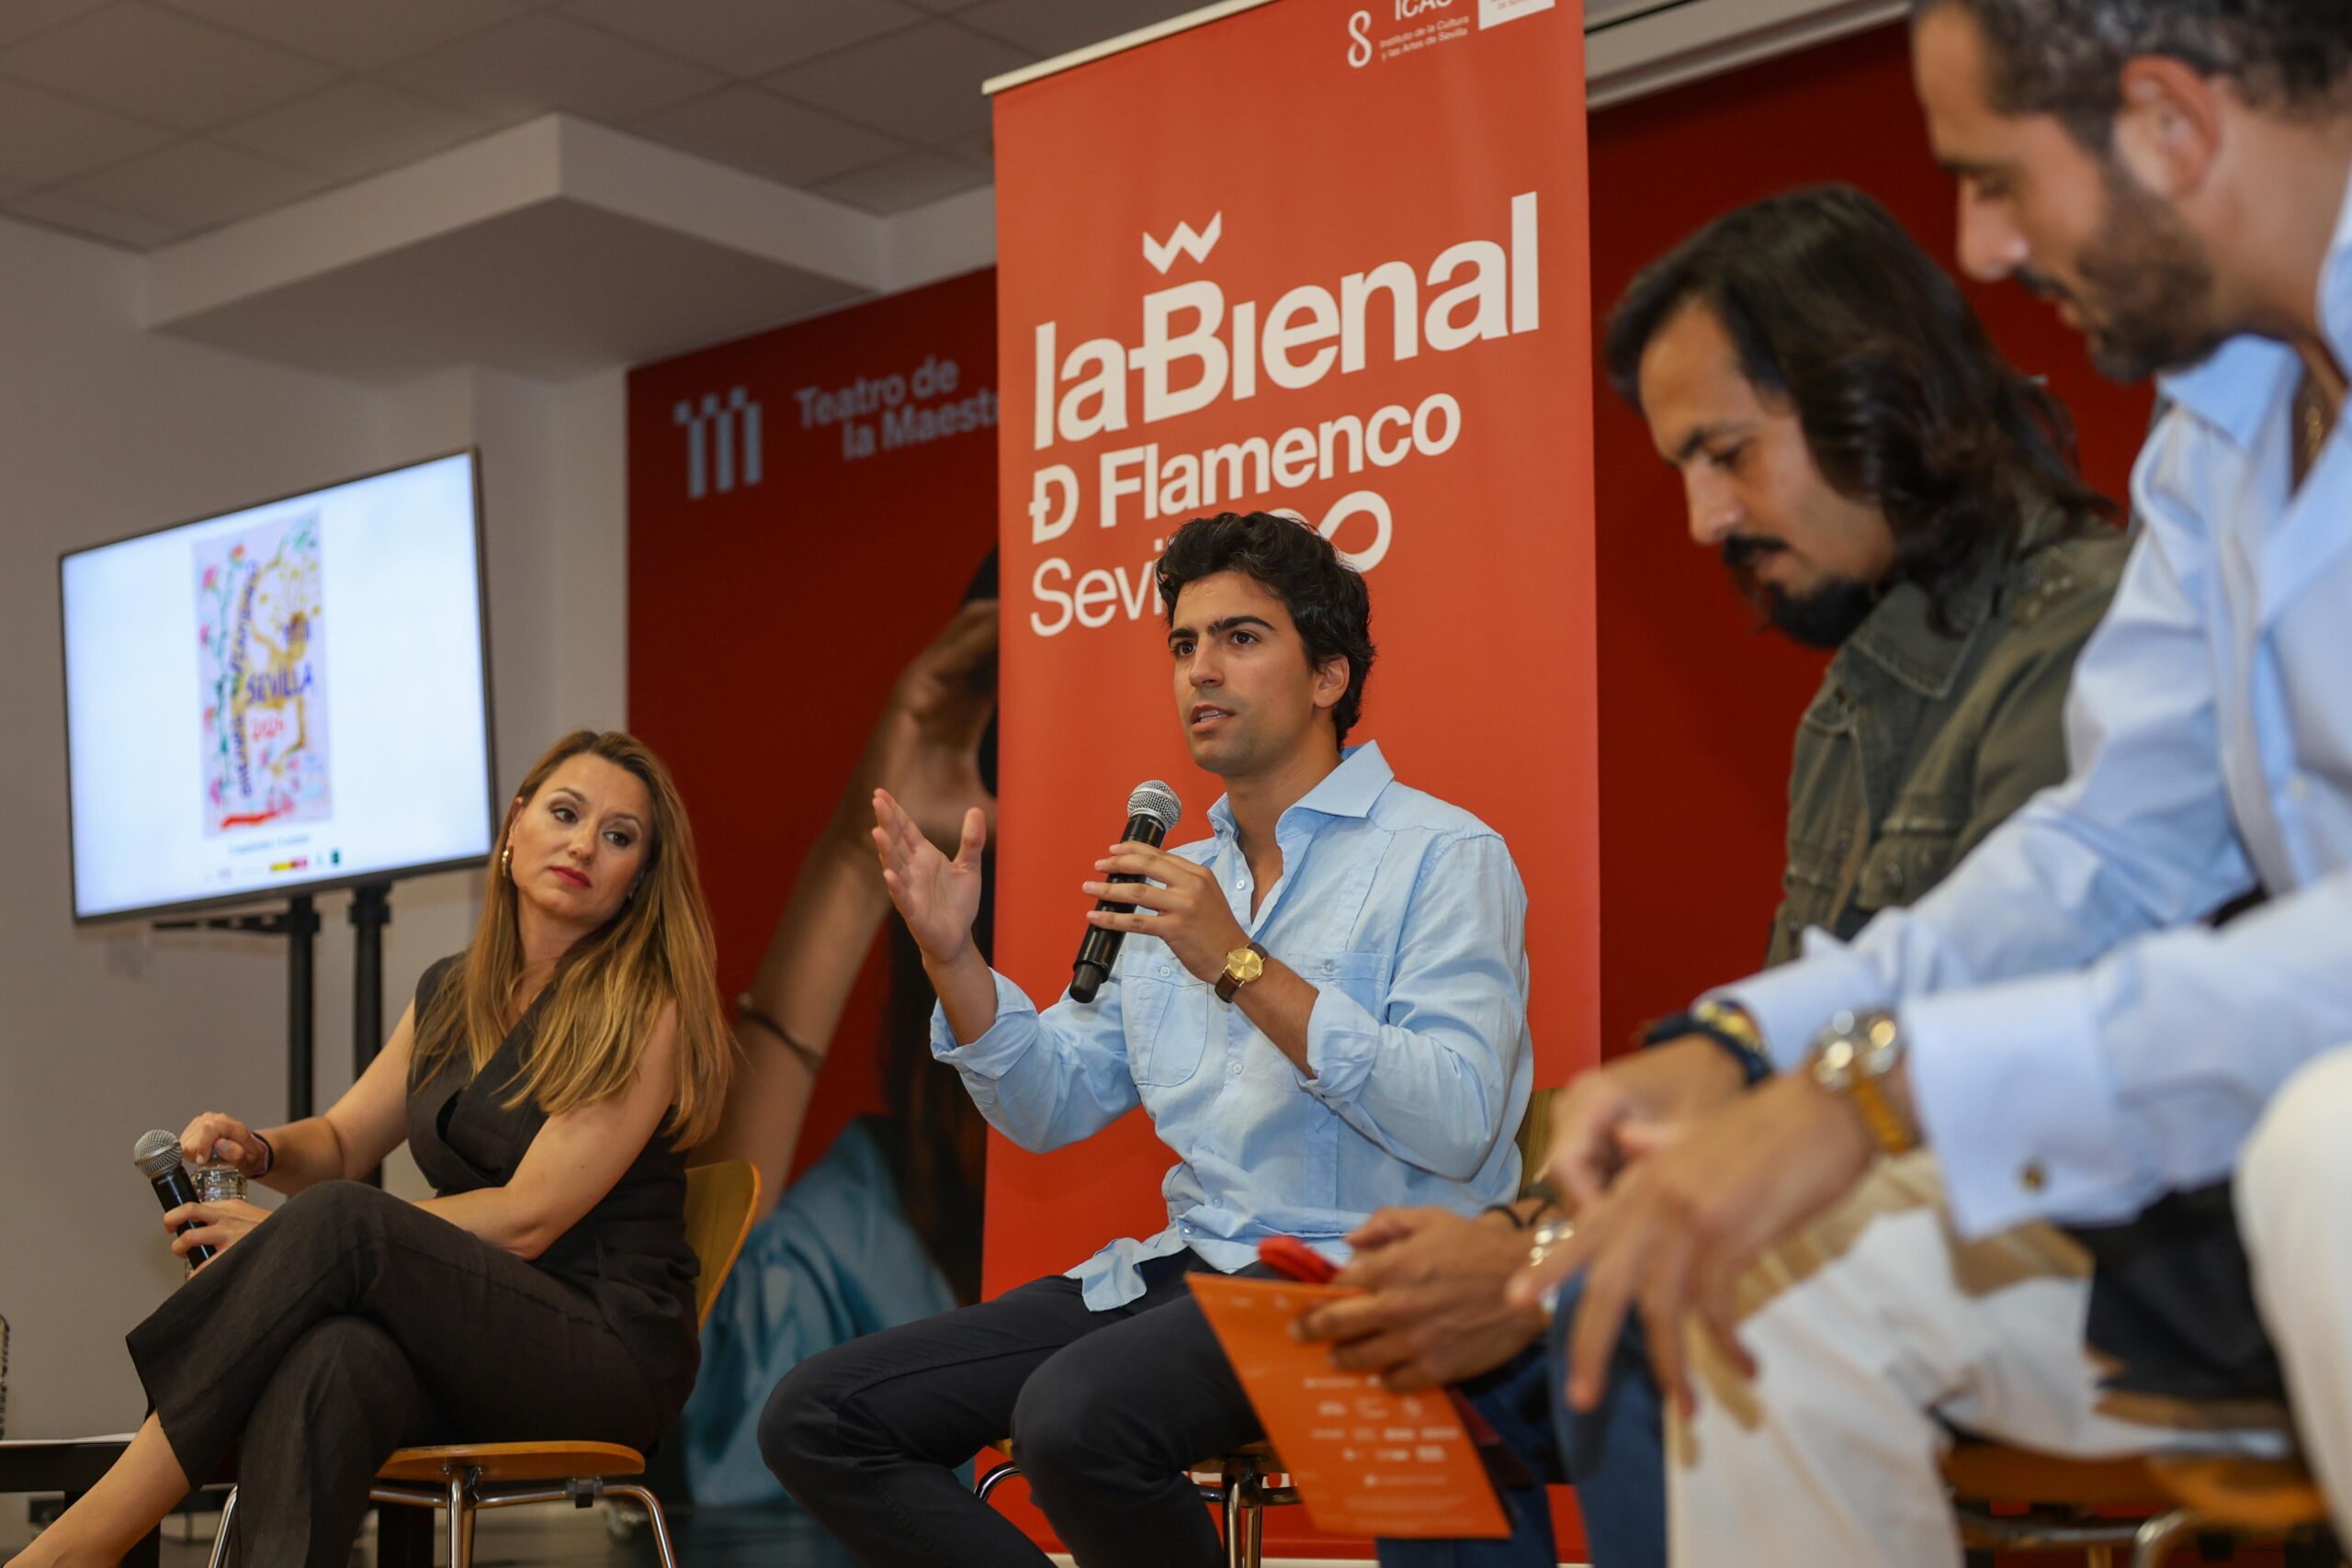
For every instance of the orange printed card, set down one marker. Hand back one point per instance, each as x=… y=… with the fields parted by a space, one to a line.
x=1366 y=1462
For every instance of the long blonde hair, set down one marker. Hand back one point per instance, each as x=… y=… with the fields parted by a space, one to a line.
x=611 y=987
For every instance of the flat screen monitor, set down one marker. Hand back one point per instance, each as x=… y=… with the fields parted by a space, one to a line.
x=281 y=699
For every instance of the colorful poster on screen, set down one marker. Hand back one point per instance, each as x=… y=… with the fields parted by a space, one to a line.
x=1314 y=256
x=261 y=665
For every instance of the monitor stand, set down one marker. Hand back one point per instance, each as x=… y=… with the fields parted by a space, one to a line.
x=371 y=911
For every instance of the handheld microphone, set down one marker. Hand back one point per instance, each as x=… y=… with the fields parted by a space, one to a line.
x=1152 y=810
x=157 y=1155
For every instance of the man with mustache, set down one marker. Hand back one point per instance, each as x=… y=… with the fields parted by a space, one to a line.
x=2057 y=1022
x=1878 y=483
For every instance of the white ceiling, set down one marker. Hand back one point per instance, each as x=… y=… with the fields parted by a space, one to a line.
x=381 y=188
x=142 y=122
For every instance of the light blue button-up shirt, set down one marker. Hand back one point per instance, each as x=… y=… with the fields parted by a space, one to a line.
x=1408 y=917
x=2078 y=1043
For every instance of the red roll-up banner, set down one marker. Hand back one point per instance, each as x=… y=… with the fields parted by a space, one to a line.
x=1323 y=256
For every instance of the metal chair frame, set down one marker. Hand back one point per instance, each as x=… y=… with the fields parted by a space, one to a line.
x=2150 y=1540
x=464 y=1492
x=1245 y=1485
x=465 y=1496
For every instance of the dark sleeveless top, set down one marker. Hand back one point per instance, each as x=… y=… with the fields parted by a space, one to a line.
x=628 y=1254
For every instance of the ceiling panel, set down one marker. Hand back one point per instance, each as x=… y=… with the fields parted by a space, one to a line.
x=748 y=37
x=95 y=221
x=359 y=34
x=157 y=64
x=46 y=137
x=978 y=149
x=1056 y=27
x=194 y=185
x=19 y=17
x=354 y=128
x=543 y=62
x=769 y=136
x=923 y=83
x=911 y=180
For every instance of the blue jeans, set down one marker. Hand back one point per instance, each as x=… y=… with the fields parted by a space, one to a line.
x=1616 y=1456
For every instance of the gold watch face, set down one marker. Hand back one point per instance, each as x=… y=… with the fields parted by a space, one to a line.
x=1244 y=964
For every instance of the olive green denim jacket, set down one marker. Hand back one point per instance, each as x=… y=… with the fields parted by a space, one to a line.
x=1919 y=744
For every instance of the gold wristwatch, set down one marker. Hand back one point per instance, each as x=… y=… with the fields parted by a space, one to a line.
x=1851 y=1061
x=1242 y=966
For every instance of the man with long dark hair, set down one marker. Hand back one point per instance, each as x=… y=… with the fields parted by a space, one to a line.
x=1879 y=481
x=1322 y=1009
x=2059 y=1022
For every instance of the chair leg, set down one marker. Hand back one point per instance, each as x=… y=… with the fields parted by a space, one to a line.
x=461 y=1519
x=1237 y=1544
x=2155 y=1540
x=1254 y=1512
x=220 y=1536
x=2098 y=1557
x=662 y=1546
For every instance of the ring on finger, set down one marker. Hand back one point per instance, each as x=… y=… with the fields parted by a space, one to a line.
x=1541 y=1242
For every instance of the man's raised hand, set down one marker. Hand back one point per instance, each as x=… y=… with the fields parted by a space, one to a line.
x=936 y=897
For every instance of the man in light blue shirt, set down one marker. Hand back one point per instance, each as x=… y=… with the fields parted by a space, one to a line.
x=2057 y=1022
x=1322 y=1008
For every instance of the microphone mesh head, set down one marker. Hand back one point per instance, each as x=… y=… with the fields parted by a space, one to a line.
x=156 y=1153
x=1155 y=799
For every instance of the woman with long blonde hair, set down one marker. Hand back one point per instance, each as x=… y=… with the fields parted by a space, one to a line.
x=548 y=1080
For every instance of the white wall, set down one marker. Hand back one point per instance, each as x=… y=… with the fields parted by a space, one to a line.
x=106 y=431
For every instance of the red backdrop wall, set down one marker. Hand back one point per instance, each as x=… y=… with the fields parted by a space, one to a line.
x=768 y=620
x=1697 y=710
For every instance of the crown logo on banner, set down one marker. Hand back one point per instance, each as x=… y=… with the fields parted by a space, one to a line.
x=1194 y=243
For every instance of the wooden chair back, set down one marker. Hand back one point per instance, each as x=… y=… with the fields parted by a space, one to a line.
x=1535 y=1136
x=720 y=1200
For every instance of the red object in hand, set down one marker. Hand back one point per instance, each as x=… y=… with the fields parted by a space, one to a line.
x=1294 y=1259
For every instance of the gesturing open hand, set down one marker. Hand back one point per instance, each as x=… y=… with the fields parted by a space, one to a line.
x=936 y=897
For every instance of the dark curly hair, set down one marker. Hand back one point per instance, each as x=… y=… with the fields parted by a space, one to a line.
x=2066 y=57
x=1904 y=401
x=1324 y=594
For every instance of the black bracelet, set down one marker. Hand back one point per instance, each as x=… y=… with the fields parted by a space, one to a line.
x=269 y=1157
x=1547 y=1196
x=1754 y=1065
x=1507 y=1212
x=814 y=1060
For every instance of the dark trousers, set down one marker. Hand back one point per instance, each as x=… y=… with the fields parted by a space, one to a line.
x=1105 y=1411
x=350 y=1323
